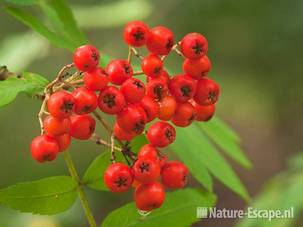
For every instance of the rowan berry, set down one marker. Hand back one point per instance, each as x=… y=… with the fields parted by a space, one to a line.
x=86 y=100
x=194 y=46
x=61 y=104
x=167 y=107
x=86 y=58
x=121 y=134
x=197 y=68
x=135 y=33
x=96 y=80
x=118 y=177
x=151 y=108
x=133 y=90
x=64 y=141
x=160 y=40
x=185 y=114
x=82 y=126
x=146 y=170
x=204 y=113
x=207 y=92
x=174 y=174
x=152 y=65
x=161 y=134
x=111 y=100
x=148 y=151
x=44 y=148
x=182 y=87
x=156 y=88
x=56 y=126
x=119 y=71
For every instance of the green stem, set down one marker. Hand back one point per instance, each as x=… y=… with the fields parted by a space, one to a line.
x=73 y=172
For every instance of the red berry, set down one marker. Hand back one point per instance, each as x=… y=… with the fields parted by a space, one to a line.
x=111 y=100
x=86 y=58
x=85 y=100
x=197 y=68
x=152 y=65
x=185 y=114
x=168 y=105
x=44 y=148
x=204 y=113
x=119 y=71
x=82 y=126
x=148 y=151
x=163 y=76
x=183 y=87
x=96 y=80
x=194 y=46
x=160 y=40
x=132 y=119
x=135 y=33
x=56 y=126
x=133 y=90
x=151 y=108
x=149 y=196
x=63 y=141
x=207 y=92
x=121 y=134
x=118 y=177
x=156 y=88
x=146 y=170
x=61 y=104
x=161 y=134
x=174 y=174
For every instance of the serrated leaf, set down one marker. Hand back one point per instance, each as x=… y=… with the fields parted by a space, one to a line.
x=195 y=150
x=30 y=83
x=70 y=26
x=222 y=138
x=46 y=196
x=93 y=176
x=37 y=26
x=178 y=210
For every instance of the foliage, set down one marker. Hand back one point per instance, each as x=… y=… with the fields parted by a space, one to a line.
x=196 y=145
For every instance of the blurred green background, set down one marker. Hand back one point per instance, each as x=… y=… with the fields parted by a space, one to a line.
x=256 y=52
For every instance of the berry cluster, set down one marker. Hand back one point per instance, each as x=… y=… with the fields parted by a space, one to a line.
x=114 y=89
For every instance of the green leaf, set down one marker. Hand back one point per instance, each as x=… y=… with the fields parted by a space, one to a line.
x=36 y=25
x=70 y=26
x=178 y=210
x=226 y=142
x=30 y=83
x=138 y=142
x=93 y=176
x=195 y=150
x=22 y=2
x=46 y=196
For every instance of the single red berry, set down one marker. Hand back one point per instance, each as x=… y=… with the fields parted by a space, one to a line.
x=207 y=92
x=135 y=33
x=111 y=100
x=61 y=104
x=118 y=177
x=197 y=68
x=121 y=134
x=194 y=46
x=133 y=90
x=82 y=126
x=204 y=113
x=156 y=88
x=63 y=141
x=56 y=126
x=151 y=108
x=152 y=65
x=149 y=196
x=132 y=119
x=174 y=174
x=163 y=76
x=183 y=87
x=86 y=58
x=44 y=148
x=86 y=101
x=146 y=170
x=160 y=40
x=119 y=71
x=161 y=134
x=167 y=108
x=185 y=114
x=148 y=151
x=96 y=80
